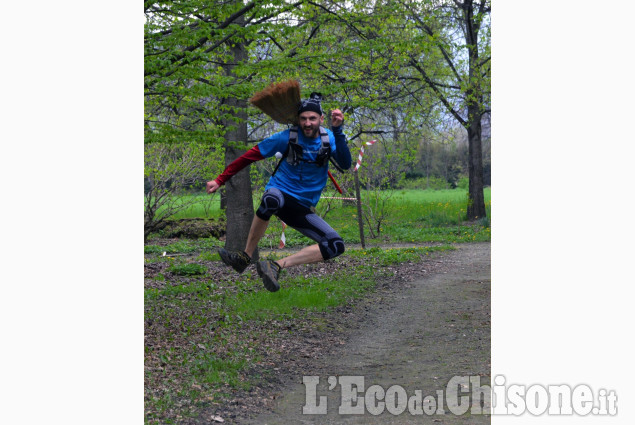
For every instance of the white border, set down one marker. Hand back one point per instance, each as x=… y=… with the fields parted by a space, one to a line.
x=562 y=235
x=71 y=310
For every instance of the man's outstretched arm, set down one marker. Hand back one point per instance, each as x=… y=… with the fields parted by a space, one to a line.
x=252 y=155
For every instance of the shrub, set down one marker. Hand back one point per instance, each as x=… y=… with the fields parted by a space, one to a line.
x=170 y=169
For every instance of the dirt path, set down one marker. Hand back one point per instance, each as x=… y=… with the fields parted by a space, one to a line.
x=417 y=337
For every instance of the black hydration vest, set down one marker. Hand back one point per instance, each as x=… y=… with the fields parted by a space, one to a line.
x=294 y=152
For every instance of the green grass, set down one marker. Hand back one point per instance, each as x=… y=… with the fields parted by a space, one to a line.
x=204 y=326
x=416 y=216
x=187 y=269
x=448 y=204
x=433 y=207
x=184 y=246
x=413 y=216
x=202 y=206
x=300 y=294
x=207 y=368
x=176 y=290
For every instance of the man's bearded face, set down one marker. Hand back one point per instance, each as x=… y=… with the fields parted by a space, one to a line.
x=310 y=123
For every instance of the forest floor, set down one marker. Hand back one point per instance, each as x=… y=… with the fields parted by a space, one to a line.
x=427 y=324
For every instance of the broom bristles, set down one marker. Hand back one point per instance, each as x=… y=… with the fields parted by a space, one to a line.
x=280 y=101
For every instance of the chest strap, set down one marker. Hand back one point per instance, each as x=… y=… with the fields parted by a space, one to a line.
x=295 y=153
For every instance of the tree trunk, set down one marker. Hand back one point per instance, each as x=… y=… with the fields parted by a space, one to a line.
x=240 y=207
x=223 y=194
x=239 y=203
x=476 y=199
x=474 y=100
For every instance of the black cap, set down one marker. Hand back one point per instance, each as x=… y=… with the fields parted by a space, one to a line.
x=313 y=104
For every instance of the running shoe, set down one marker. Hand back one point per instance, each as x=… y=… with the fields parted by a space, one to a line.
x=238 y=260
x=269 y=271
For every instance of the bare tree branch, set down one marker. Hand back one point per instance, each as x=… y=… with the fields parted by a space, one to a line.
x=440 y=95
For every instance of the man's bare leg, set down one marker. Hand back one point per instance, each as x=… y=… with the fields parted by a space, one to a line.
x=269 y=272
x=309 y=254
x=256 y=232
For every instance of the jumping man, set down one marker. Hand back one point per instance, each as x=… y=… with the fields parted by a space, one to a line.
x=293 y=190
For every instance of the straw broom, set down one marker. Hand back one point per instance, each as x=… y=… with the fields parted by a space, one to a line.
x=280 y=101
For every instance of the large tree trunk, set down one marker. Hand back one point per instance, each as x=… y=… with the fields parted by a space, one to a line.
x=240 y=208
x=476 y=200
x=474 y=98
x=239 y=204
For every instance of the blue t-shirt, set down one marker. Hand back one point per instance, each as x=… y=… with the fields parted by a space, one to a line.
x=305 y=181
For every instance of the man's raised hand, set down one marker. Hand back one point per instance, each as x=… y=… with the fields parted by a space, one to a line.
x=337 y=118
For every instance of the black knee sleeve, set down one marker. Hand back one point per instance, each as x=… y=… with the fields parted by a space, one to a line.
x=272 y=201
x=303 y=220
x=331 y=246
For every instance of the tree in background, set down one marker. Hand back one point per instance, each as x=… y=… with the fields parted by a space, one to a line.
x=452 y=59
x=396 y=69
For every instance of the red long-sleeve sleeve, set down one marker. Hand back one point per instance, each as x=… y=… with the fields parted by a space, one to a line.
x=252 y=155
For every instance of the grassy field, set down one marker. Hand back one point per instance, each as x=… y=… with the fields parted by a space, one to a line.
x=414 y=216
x=209 y=206
x=211 y=333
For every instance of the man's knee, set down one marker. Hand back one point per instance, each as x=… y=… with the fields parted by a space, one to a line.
x=332 y=246
x=271 y=202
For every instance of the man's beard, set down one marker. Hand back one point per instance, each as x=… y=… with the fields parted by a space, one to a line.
x=313 y=132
